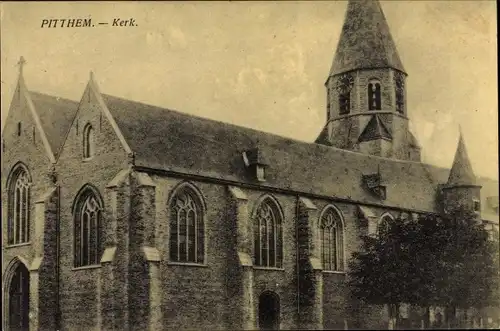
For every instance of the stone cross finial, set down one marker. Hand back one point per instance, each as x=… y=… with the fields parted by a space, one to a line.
x=21 y=63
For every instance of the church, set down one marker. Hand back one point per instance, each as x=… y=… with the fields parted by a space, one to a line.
x=119 y=215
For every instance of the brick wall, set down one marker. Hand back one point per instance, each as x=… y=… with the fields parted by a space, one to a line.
x=79 y=297
x=192 y=296
x=359 y=92
x=384 y=76
x=211 y=295
x=205 y=295
x=28 y=149
x=345 y=129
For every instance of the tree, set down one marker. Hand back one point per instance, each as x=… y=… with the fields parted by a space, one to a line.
x=379 y=273
x=444 y=260
x=459 y=264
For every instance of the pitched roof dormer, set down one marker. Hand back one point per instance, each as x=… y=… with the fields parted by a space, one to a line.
x=255 y=160
x=365 y=41
x=461 y=173
x=373 y=183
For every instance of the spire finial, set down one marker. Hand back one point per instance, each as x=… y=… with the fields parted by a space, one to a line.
x=91 y=75
x=460 y=132
x=21 y=64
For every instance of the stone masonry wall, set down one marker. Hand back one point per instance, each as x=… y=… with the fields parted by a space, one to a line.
x=79 y=286
x=28 y=149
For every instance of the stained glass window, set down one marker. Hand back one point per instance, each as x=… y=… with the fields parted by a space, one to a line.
x=268 y=235
x=19 y=208
x=187 y=232
x=87 y=229
x=384 y=224
x=332 y=240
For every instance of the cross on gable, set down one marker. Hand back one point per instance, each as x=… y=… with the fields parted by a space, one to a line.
x=21 y=63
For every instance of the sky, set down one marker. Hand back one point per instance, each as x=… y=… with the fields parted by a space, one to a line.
x=263 y=65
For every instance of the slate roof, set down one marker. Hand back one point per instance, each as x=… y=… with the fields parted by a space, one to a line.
x=365 y=40
x=170 y=140
x=461 y=172
x=56 y=115
x=375 y=129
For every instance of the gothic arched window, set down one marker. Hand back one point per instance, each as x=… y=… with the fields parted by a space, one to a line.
x=344 y=87
x=19 y=206
x=88 y=141
x=87 y=228
x=384 y=224
x=374 y=95
x=400 y=93
x=331 y=236
x=268 y=234
x=187 y=227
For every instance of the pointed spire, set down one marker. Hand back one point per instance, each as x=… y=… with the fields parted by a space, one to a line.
x=365 y=40
x=461 y=172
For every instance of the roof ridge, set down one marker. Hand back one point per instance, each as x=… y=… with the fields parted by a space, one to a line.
x=318 y=145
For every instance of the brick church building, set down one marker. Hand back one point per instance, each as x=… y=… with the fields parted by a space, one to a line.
x=118 y=215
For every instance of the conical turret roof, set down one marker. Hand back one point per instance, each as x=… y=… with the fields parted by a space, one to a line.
x=461 y=172
x=365 y=41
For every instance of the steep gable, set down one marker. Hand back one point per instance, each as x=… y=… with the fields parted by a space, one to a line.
x=92 y=103
x=23 y=121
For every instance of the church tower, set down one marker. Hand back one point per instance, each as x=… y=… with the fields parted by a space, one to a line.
x=462 y=190
x=366 y=90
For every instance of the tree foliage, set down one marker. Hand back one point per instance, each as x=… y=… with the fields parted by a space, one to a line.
x=435 y=260
x=459 y=267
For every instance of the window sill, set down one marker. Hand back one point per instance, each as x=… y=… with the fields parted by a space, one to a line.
x=187 y=264
x=87 y=267
x=268 y=268
x=338 y=272
x=18 y=245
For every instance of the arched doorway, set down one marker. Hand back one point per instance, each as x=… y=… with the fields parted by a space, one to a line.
x=18 y=301
x=269 y=311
